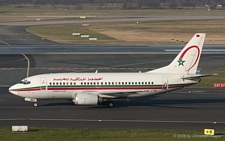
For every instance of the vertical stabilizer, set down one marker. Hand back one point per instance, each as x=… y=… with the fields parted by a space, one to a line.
x=187 y=60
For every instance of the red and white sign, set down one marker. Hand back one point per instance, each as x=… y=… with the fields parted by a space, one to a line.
x=219 y=85
x=85 y=24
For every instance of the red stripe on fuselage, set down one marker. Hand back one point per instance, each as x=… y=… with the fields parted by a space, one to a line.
x=97 y=89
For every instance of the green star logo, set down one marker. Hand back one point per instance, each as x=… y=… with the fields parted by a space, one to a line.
x=181 y=62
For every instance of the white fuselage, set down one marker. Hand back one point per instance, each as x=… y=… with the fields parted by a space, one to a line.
x=95 y=88
x=106 y=85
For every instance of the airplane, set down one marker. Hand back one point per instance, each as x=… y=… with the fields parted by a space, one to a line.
x=100 y=88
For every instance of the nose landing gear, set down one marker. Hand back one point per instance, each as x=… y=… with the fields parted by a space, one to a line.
x=32 y=100
x=35 y=104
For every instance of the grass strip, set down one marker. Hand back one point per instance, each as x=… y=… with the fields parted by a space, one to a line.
x=82 y=134
x=63 y=34
x=133 y=33
x=207 y=82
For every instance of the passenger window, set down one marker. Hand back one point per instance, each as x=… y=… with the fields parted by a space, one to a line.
x=74 y=83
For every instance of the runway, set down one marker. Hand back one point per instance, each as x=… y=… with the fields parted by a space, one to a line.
x=116 y=19
x=93 y=49
x=183 y=109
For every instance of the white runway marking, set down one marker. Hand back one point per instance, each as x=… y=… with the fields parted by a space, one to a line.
x=108 y=120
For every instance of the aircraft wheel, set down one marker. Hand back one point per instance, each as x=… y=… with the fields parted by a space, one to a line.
x=110 y=104
x=35 y=104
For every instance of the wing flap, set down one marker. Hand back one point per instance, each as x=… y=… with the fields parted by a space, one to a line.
x=115 y=94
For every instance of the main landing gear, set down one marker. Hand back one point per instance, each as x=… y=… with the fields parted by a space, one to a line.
x=110 y=104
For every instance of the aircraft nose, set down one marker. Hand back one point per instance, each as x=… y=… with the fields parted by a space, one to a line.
x=13 y=90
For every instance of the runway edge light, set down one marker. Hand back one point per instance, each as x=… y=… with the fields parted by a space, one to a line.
x=209 y=132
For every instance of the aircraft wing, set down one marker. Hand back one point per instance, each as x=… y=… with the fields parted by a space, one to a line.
x=112 y=95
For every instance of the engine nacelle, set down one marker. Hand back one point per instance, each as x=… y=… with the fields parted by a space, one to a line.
x=86 y=99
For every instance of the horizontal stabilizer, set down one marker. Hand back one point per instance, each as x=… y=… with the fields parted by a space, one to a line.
x=198 y=76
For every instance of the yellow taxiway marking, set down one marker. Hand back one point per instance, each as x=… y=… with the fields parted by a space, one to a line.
x=4 y=43
x=28 y=64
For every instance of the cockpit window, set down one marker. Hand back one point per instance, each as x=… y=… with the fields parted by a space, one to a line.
x=25 y=82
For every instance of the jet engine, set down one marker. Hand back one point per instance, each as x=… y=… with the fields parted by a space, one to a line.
x=86 y=99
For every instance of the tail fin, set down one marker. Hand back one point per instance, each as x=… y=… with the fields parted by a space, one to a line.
x=187 y=60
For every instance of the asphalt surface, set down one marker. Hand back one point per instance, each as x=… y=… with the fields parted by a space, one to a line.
x=182 y=109
x=96 y=49
x=109 y=19
x=13 y=67
x=13 y=33
x=17 y=35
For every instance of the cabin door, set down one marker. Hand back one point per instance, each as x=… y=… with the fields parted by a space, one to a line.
x=43 y=84
x=164 y=83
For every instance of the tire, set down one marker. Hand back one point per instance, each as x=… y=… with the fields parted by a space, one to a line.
x=35 y=104
x=110 y=104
